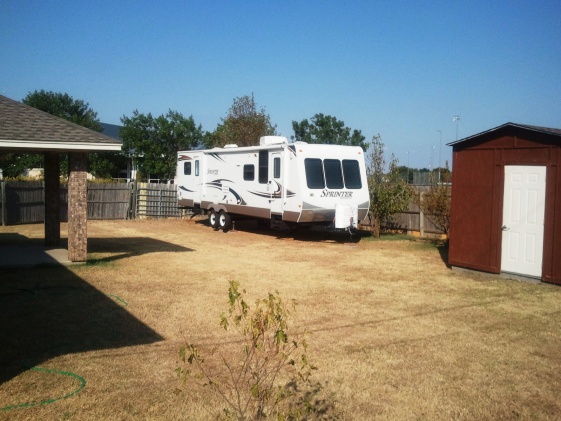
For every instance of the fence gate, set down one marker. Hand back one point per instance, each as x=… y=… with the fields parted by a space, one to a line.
x=156 y=201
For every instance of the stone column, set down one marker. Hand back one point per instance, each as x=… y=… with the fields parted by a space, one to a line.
x=52 y=199
x=77 y=207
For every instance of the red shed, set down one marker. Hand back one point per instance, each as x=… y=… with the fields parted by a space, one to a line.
x=506 y=202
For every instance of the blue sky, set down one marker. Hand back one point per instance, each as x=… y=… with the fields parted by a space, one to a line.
x=402 y=69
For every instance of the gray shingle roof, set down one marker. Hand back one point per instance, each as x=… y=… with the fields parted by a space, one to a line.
x=24 y=127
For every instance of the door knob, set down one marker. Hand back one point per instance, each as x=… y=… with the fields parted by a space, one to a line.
x=504 y=228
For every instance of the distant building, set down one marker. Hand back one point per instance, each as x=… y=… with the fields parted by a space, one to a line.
x=126 y=174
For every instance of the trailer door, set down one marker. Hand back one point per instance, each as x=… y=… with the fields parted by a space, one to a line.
x=275 y=185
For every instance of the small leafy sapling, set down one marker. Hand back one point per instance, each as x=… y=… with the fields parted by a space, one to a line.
x=262 y=373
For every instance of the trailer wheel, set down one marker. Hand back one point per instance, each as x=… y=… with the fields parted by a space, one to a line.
x=224 y=221
x=213 y=219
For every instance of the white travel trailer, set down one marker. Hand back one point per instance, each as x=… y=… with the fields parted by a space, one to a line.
x=297 y=184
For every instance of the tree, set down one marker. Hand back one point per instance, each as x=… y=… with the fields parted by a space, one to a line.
x=243 y=126
x=435 y=203
x=106 y=164
x=156 y=141
x=389 y=194
x=64 y=106
x=14 y=164
x=328 y=130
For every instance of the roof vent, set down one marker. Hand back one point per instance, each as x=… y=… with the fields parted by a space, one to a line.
x=230 y=145
x=272 y=140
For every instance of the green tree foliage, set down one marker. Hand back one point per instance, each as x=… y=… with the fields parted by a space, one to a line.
x=106 y=164
x=262 y=372
x=14 y=164
x=155 y=141
x=328 y=130
x=64 y=106
x=243 y=126
x=389 y=193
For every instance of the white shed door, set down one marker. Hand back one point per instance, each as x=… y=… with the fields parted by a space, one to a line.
x=523 y=220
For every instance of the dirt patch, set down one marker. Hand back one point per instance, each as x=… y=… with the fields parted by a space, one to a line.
x=394 y=332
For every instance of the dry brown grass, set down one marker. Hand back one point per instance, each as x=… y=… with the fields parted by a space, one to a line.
x=395 y=333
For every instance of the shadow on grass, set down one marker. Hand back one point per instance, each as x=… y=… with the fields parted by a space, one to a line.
x=311 y=234
x=49 y=311
x=129 y=247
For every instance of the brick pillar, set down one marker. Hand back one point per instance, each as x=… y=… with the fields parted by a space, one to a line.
x=52 y=199
x=77 y=207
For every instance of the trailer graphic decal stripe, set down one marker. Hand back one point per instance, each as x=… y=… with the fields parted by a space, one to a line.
x=186 y=189
x=219 y=185
x=216 y=156
x=239 y=199
x=277 y=194
x=263 y=194
x=274 y=195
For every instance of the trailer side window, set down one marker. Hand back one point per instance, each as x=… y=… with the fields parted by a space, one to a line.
x=314 y=173
x=263 y=167
x=187 y=168
x=197 y=168
x=249 y=172
x=333 y=175
x=352 y=174
x=276 y=167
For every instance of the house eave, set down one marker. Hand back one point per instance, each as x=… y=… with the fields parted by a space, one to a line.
x=59 y=146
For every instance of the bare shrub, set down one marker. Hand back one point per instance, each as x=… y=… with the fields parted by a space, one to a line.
x=268 y=375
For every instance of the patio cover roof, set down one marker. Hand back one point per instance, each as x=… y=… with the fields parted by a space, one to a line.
x=24 y=128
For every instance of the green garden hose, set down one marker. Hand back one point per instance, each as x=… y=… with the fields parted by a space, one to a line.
x=118 y=299
x=52 y=400
x=63 y=373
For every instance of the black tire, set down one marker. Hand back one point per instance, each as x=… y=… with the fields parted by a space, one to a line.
x=224 y=221
x=213 y=219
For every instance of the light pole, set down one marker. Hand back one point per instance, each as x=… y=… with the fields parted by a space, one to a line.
x=456 y=118
x=431 y=172
x=439 y=154
x=407 y=167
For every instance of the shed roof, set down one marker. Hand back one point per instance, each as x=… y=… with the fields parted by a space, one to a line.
x=507 y=126
x=26 y=128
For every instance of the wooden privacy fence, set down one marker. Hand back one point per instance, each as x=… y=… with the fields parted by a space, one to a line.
x=413 y=220
x=109 y=200
x=23 y=202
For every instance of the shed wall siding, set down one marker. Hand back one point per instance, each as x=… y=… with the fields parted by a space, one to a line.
x=471 y=223
x=552 y=240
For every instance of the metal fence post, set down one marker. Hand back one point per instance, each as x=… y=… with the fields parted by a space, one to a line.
x=134 y=199
x=3 y=207
x=421 y=216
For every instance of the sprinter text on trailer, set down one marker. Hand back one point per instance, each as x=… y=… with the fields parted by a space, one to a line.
x=292 y=183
